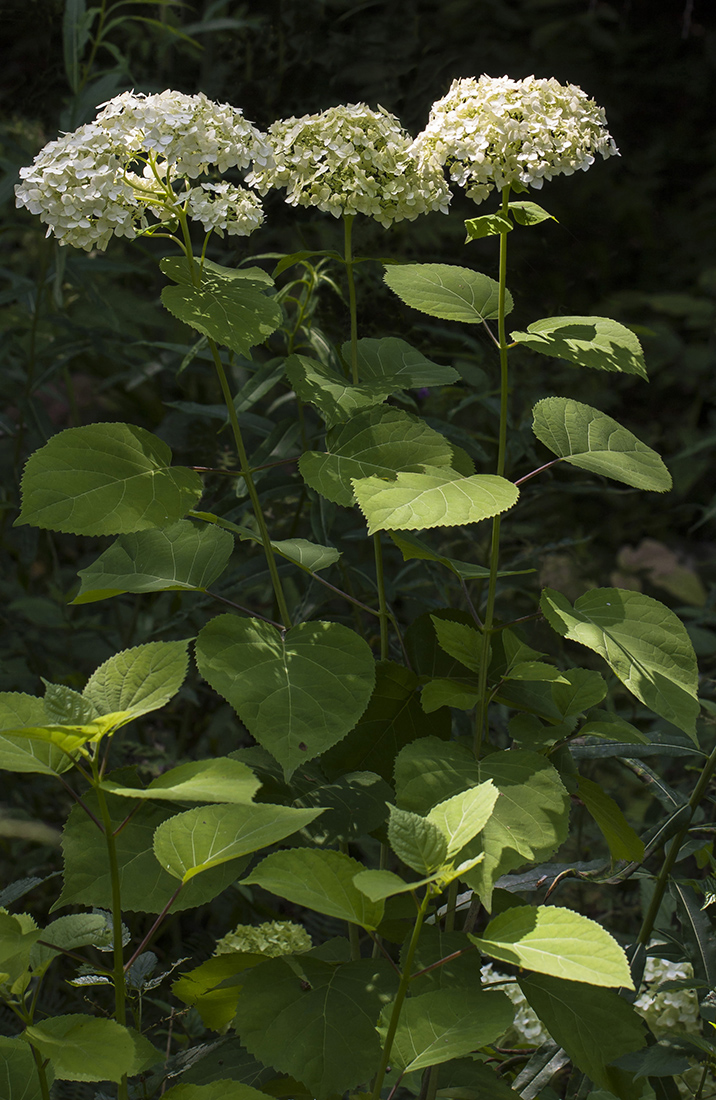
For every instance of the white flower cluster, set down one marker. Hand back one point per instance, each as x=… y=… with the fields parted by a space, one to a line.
x=83 y=188
x=671 y=1010
x=526 y=1026
x=351 y=160
x=272 y=938
x=493 y=132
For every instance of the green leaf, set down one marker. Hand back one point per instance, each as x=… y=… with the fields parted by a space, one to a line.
x=75 y=32
x=18 y=1073
x=697 y=935
x=225 y=1089
x=417 y=842
x=393 y=719
x=145 y=886
x=25 y=754
x=556 y=941
x=18 y=936
x=353 y=805
x=602 y=723
x=279 y=1020
x=67 y=934
x=190 y=843
x=393 y=362
x=297 y=692
x=594 y=1026
x=309 y=555
x=463 y=816
x=105 y=479
x=378 y=885
x=462 y=695
x=219 y=780
x=622 y=840
x=214 y=987
x=318 y=880
x=377 y=442
x=459 y=641
x=448 y=1023
x=489 y=225
x=180 y=557
x=445 y=291
x=138 y=680
x=429 y=771
x=587 y=438
x=86 y=1048
x=529 y=213
x=334 y=396
x=234 y=311
x=587 y=341
x=412 y=547
x=578 y=690
x=641 y=640
x=437 y=498
x=535 y=672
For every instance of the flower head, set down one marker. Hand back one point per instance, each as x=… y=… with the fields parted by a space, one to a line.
x=493 y=132
x=85 y=189
x=272 y=938
x=351 y=160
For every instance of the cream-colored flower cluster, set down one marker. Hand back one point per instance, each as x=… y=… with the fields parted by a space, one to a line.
x=493 y=132
x=670 y=1010
x=84 y=188
x=526 y=1027
x=272 y=938
x=351 y=160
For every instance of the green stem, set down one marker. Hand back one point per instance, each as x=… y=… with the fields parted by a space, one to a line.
x=245 y=468
x=353 y=930
x=382 y=603
x=662 y=880
x=481 y=711
x=400 y=996
x=348 y=256
x=40 y=1067
x=432 y=1082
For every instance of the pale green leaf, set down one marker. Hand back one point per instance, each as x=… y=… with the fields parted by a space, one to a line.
x=535 y=671
x=25 y=754
x=18 y=936
x=378 y=885
x=460 y=641
x=233 y=311
x=87 y=1048
x=179 y=271
x=593 y=441
x=394 y=362
x=429 y=771
x=578 y=690
x=412 y=547
x=218 y=780
x=200 y=839
x=332 y=393
x=445 y=291
x=138 y=680
x=449 y=693
x=556 y=941
x=18 y=1073
x=463 y=816
x=377 y=442
x=105 y=479
x=588 y=341
x=529 y=213
x=488 y=225
x=68 y=933
x=445 y=1024
x=437 y=498
x=318 y=880
x=298 y=692
x=182 y=557
x=594 y=1026
x=309 y=555
x=623 y=842
x=419 y=843
x=278 y=1020
x=643 y=642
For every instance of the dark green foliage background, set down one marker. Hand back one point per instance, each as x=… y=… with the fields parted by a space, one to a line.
x=84 y=338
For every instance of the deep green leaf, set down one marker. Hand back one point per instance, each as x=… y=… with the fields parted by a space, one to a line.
x=105 y=479
x=318 y=880
x=417 y=842
x=443 y=290
x=460 y=641
x=622 y=840
x=588 y=341
x=377 y=442
x=279 y=1020
x=182 y=557
x=18 y=936
x=445 y=1024
x=392 y=720
x=429 y=771
x=593 y=441
x=643 y=642
x=309 y=555
x=197 y=840
x=18 y=1073
x=602 y=723
x=218 y=780
x=393 y=361
x=225 y=1089
x=556 y=941
x=594 y=1026
x=436 y=498
x=298 y=692
x=336 y=398
x=697 y=931
x=87 y=1048
x=233 y=311
x=67 y=934
x=461 y=694
x=412 y=547
x=353 y=804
